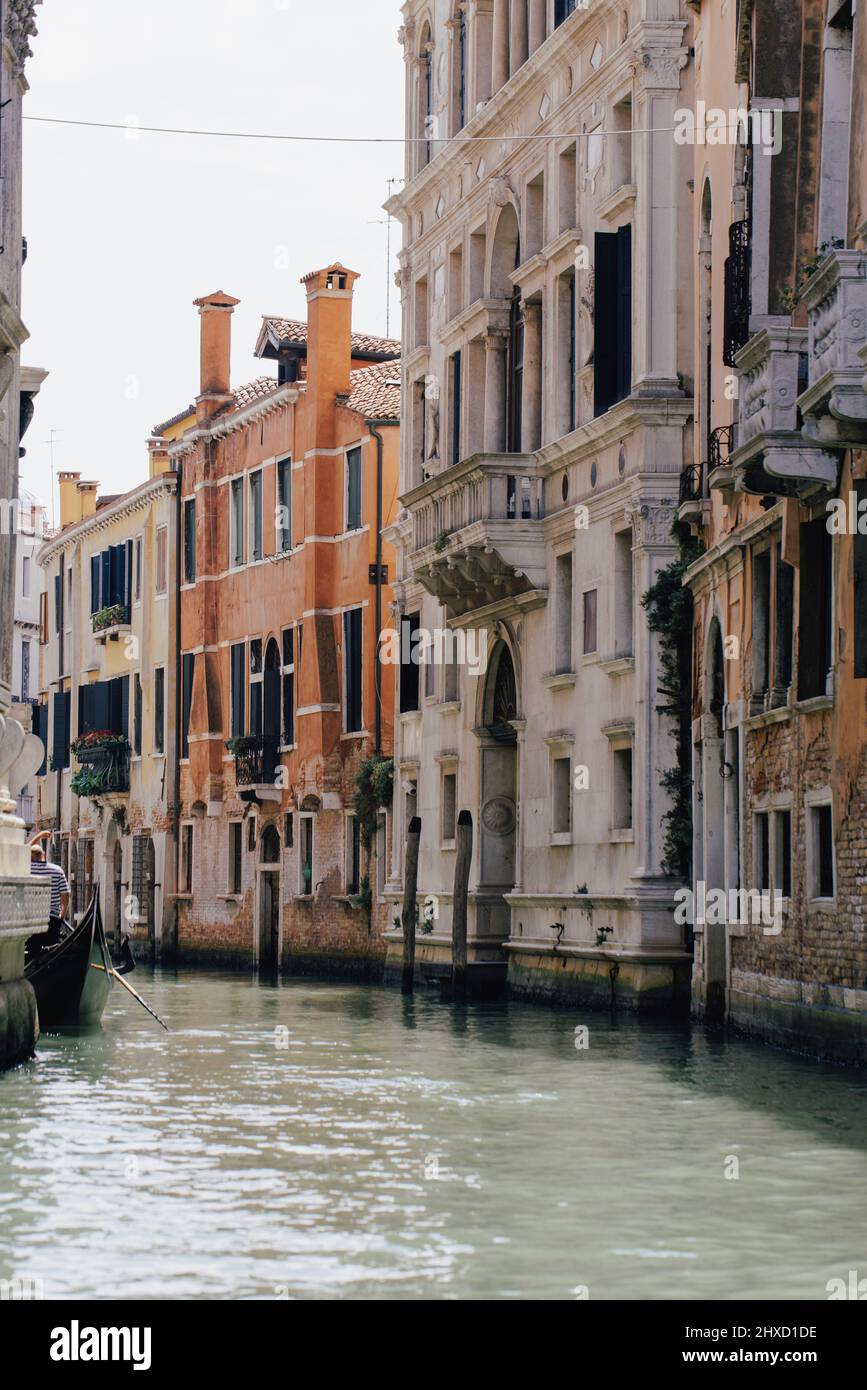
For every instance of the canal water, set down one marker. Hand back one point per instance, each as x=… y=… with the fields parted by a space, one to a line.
x=306 y=1139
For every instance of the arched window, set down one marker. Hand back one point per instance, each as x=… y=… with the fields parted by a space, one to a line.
x=425 y=99
x=269 y=852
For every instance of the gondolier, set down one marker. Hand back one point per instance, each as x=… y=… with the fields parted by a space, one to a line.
x=40 y=867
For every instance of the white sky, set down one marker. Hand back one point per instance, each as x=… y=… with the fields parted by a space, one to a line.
x=124 y=233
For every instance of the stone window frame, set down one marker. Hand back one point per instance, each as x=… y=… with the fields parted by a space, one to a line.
x=813 y=800
x=560 y=749
x=449 y=764
x=620 y=741
x=772 y=804
x=566 y=550
x=231 y=890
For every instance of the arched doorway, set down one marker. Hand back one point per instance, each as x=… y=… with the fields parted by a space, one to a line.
x=498 y=755
x=271 y=712
x=269 y=901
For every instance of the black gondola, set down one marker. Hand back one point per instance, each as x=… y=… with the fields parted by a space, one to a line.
x=71 y=980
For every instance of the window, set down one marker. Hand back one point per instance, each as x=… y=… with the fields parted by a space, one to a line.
x=568 y=188
x=25 y=576
x=43 y=618
x=563 y=613
x=762 y=851
x=455 y=405
x=162 y=560
x=190 y=540
x=590 y=607
x=255 y=516
x=236 y=522
x=410 y=804
x=568 y=362
x=353 y=489
x=821 y=851
x=612 y=350
x=136 y=713
x=256 y=679
x=784 y=590
x=353 y=855
x=421 y=312
x=111 y=577
x=478 y=253
x=761 y=621
x=456 y=282
x=237 y=662
x=562 y=788
x=236 y=828
x=159 y=709
x=188 y=661
x=352 y=630
x=138 y=564
x=104 y=705
x=287 y=671
x=515 y=372
x=534 y=231
x=452 y=675
x=623 y=594
x=288 y=830
x=562 y=10
x=783 y=852
x=620 y=142
x=251 y=834
x=409 y=661
x=305 y=859
x=186 y=858
x=25 y=670
x=449 y=805
x=621 y=789
x=284 y=504
x=60 y=731
x=815 y=609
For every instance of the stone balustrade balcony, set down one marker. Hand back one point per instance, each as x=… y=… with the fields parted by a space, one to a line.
x=834 y=404
x=772 y=455
x=477 y=533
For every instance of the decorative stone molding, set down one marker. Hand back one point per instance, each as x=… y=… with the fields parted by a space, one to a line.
x=652 y=522
x=659 y=66
x=20 y=27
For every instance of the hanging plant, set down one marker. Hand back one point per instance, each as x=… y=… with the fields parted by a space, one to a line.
x=112 y=616
x=669 y=607
x=374 y=782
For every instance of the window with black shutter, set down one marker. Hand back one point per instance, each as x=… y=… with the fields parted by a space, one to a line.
x=238 y=664
x=189 y=540
x=352 y=668
x=409 y=662
x=288 y=674
x=40 y=728
x=136 y=713
x=612 y=319
x=814 y=603
x=187 y=668
x=94 y=583
x=353 y=489
x=456 y=407
x=159 y=709
x=60 y=733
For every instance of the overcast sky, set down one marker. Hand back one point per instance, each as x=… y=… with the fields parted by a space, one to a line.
x=123 y=233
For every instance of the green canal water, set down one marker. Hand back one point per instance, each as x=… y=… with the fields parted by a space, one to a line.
x=310 y=1140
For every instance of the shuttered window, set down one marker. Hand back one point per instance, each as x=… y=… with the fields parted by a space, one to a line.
x=238 y=664
x=409 y=655
x=814 y=601
x=187 y=669
x=159 y=709
x=60 y=733
x=352 y=629
x=612 y=318
x=353 y=489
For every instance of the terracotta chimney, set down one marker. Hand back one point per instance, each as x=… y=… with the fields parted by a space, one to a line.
x=215 y=354
x=329 y=335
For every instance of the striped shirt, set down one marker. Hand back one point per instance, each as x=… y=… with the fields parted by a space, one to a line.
x=58 y=883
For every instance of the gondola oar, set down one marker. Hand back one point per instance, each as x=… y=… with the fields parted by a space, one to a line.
x=113 y=972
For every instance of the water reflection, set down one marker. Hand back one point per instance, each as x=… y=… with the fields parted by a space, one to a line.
x=303 y=1139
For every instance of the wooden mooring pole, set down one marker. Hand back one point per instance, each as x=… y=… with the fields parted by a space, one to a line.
x=463 y=859
x=407 y=917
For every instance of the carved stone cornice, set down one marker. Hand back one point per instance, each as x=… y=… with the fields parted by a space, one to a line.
x=19 y=28
x=652 y=522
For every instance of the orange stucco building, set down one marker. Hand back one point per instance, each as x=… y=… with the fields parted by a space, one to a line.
x=285 y=485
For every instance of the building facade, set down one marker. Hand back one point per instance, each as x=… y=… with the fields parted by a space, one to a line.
x=546 y=285
x=285 y=588
x=777 y=492
x=23 y=903
x=108 y=695
x=29 y=588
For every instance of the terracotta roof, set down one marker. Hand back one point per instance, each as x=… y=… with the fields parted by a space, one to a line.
x=363 y=344
x=175 y=420
x=253 y=391
x=375 y=391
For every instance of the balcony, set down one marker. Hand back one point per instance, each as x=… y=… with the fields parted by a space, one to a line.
x=834 y=404
x=693 y=504
x=477 y=533
x=736 y=296
x=103 y=766
x=772 y=455
x=257 y=759
x=111 y=623
x=720 y=474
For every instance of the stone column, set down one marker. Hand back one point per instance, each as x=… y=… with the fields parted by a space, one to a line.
x=661 y=167
x=531 y=405
x=496 y=343
x=538 y=23
x=518 y=52
x=500 y=47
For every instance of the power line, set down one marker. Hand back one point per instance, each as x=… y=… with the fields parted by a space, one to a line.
x=131 y=127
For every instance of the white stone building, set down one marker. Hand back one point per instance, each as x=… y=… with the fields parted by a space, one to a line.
x=546 y=286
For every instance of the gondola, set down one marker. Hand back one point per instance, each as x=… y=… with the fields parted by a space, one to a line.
x=69 y=990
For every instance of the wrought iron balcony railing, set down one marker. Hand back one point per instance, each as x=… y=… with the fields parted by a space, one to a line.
x=692 y=484
x=721 y=442
x=736 y=310
x=104 y=769
x=256 y=760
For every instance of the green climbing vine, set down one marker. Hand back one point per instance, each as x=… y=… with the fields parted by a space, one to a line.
x=373 y=787
x=669 y=608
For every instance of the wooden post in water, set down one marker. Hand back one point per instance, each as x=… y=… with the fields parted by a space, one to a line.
x=463 y=858
x=407 y=917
